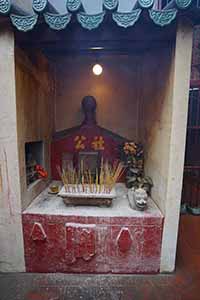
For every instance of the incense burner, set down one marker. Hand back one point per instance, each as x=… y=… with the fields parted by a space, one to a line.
x=96 y=195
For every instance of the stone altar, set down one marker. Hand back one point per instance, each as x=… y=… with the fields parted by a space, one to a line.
x=91 y=239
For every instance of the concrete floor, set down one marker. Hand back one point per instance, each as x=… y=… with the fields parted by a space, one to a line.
x=182 y=285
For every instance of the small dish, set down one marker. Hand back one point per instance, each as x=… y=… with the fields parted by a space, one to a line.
x=54 y=189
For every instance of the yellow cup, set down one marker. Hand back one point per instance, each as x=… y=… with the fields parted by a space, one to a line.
x=54 y=188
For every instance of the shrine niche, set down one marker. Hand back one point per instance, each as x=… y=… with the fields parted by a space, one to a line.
x=95 y=110
x=87 y=155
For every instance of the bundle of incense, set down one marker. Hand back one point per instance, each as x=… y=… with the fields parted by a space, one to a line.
x=97 y=180
x=108 y=179
x=64 y=178
x=82 y=180
x=90 y=181
x=101 y=179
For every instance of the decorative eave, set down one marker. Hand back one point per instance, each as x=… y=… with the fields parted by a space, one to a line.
x=42 y=9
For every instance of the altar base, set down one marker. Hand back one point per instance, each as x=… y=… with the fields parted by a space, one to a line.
x=91 y=239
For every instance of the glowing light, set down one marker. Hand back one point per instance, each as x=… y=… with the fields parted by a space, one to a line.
x=96 y=48
x=97 y=69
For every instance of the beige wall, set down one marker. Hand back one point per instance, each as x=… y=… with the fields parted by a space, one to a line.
x=11 y=238
x=115 y=91
x=155 y=118
x=180 y=97
x=34 y=91
x=163 y=116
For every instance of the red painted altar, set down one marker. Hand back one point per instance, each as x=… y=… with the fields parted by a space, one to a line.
x=86 y=239
x=91 y=239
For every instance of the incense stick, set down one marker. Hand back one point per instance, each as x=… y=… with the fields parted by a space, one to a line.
x=82 y=180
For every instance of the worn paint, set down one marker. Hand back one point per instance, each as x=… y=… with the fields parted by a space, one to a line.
x=11 y=246
x=92 y=239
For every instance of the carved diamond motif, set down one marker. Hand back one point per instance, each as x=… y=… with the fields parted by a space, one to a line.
x=124 y=240
x=110 y=4
x=163 y=17
x=146 y=3
x=57 y=22
x=182 y=4
x=90 y=21
x=24 y=23
x=4 y=6
x=38 y=233
x=126 y=19
x=39 y=5
x=73 y=5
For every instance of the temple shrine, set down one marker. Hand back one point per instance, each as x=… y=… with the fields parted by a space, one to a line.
x=94 y=104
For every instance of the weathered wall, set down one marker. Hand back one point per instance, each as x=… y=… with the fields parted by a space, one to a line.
x=11 y=240
x=165 y=106
x=34 y=90
x=115 y=91
x=195 y=73
x=180 y=97
x=155 y=118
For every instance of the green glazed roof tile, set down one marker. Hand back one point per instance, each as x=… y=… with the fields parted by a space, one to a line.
x=58 y=21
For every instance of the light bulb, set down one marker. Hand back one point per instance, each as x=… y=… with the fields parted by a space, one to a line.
x=97 y=69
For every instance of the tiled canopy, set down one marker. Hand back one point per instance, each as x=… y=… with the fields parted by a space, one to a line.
x=90 y=14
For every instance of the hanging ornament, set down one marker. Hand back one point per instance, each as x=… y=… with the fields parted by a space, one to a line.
x=110 y=4
x=73 y=5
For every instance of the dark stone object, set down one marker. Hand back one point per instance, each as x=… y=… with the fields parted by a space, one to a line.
x=89 y=106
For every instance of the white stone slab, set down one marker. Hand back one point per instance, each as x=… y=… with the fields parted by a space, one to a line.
x=49 y=204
